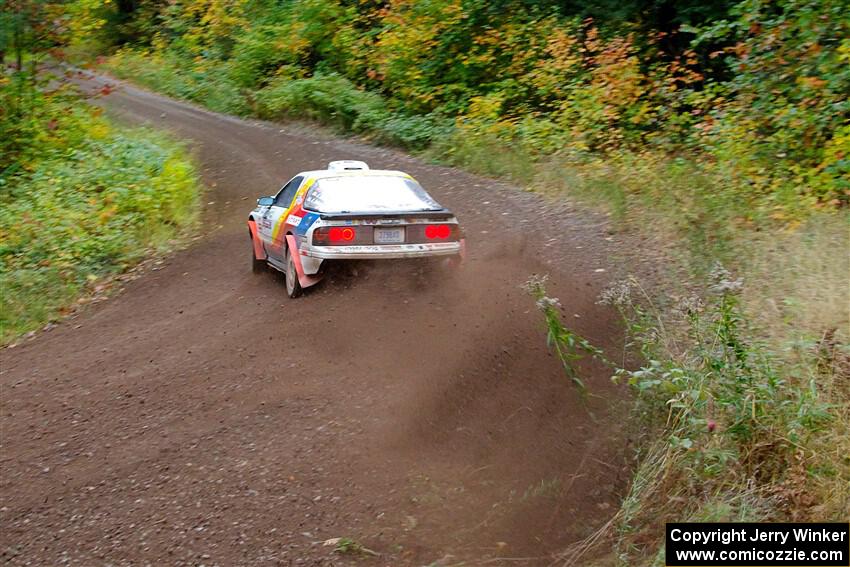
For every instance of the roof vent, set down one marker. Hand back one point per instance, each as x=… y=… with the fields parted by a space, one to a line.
x=347 y=165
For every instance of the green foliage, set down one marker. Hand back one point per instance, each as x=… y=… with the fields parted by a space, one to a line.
x=348 y=546
x=333 y=99
x=202 y=81
x=260 y=53
x=31 y=28
x=738 y=426
x=723 y=384
x=79 y=201
x=784 y=123
x=484 y=153
x=330 y=98
x=754 y=91
x=29 y=124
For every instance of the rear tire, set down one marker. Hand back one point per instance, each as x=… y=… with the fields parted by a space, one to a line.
x=257 y=266
x=293 y=286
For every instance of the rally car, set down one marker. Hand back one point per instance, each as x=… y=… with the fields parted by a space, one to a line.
x=348 y=212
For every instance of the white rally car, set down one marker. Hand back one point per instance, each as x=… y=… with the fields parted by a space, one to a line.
x=347 y=212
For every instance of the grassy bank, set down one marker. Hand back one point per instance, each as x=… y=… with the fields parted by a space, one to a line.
x=742 y=394
x=80 y=200
x=741 y=422
x=731 y=424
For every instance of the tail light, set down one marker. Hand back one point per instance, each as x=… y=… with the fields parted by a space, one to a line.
x=438 y=231
x=335 y=235
x=432 y=233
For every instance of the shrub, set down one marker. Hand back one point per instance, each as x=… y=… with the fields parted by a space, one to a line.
x=333 y=99
x=328 y=98
x=82 y=203
x=206 y=82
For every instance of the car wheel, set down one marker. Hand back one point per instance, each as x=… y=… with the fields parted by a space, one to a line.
x=257 y=266
x=293 y=287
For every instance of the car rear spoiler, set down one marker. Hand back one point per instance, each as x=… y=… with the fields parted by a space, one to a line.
x=438 y=214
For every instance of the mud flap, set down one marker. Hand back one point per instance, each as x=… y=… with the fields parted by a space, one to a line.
x=259 y=251
x=303 y=279
x=459 y=260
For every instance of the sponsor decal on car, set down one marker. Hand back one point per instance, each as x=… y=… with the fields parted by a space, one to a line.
x=293 y=220
x=306 y=222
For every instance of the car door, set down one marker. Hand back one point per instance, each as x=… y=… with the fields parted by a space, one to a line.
x=270 y=232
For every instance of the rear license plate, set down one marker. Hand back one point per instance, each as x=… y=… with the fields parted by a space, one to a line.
x=389 y=235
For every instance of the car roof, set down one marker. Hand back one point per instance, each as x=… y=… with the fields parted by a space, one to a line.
x=326 y=173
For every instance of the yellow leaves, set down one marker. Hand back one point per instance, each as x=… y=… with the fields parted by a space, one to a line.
x=485 y=107
x=644 y=110
x=779 y=215
x=216 y=20
x=99 y=130
x=107 y=214
x=410 y=32
x=560 y=61
x=562 y=47
x=789 y=222
x=83 y=17
x=811 y=82
x=844 y=50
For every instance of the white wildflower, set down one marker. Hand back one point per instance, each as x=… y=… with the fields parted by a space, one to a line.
x=618 y=293
x=535 y=284
x=689 y=305
x=722 y=282
x=545 y=303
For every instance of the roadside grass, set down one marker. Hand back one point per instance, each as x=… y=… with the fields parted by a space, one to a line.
x=80 y=201
x=732 y=430
x=483 y=153
x=332 y=99
x=195 y=80
x=742 y=435
x=699 y=459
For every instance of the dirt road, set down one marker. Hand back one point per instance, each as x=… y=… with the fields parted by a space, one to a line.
x=201 y=417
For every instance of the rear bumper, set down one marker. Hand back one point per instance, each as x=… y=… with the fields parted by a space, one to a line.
x=384 y=251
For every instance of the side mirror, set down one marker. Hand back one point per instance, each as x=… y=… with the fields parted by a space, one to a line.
x=265 y=201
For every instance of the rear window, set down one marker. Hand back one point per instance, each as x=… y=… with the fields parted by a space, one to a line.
x=368 y=194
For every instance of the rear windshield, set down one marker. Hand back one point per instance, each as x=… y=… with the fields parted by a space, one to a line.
x=368 y=194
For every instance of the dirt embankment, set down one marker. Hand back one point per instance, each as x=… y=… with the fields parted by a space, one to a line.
x=200 y=417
